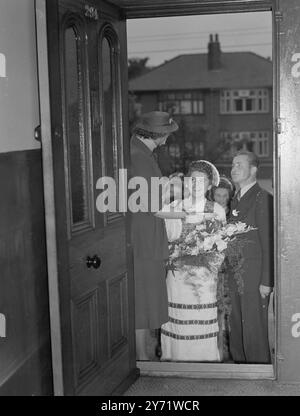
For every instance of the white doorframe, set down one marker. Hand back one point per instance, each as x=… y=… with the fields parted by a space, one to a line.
x=48 y=177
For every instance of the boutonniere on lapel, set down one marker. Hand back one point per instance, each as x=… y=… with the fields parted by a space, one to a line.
x=235 y=213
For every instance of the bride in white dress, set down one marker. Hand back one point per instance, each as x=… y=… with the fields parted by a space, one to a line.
x=191 y=334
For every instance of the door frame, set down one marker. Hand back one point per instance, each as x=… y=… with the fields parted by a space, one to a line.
x=173 y=8
x=50 y=212
x=143 y=11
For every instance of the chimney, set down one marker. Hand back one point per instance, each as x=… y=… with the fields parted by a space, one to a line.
x=214 y=53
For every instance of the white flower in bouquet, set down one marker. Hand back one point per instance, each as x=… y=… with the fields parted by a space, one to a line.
x=208 y=243
x=219 y=235
x=230 y=229
x=194 y=251
x=221 y=244
x=200 y=227
x=241 y=227
x=189 y=238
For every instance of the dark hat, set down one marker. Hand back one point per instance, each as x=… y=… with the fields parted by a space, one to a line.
x=156 y=122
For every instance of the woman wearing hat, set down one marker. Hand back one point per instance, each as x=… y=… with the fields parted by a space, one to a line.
x=149 y=238
x=191 y=334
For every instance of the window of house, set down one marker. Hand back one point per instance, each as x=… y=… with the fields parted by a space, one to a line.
x=261 y=144
x=174 y=150
x=255 y=141
x=244 y=101
x=181 y=102
x=193 y=149
x=199 y=149
x=189 y=147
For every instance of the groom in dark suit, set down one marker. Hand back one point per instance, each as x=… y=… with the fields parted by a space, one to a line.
x=248 y=335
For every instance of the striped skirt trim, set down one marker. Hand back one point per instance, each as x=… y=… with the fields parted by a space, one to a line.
x=188 y=337
x=193 y=321
x=192 y=306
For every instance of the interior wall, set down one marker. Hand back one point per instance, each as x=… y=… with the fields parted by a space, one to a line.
x=19 y=113
x=25 y=354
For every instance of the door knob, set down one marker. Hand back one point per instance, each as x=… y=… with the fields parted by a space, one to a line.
x=93 y=262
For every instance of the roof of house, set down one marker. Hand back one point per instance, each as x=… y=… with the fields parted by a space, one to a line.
x=184 y=72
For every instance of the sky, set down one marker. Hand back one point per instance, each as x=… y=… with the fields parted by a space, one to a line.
x=161 y=39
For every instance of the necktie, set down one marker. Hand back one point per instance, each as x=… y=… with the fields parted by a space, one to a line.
x=235 y=200
x=238 y=195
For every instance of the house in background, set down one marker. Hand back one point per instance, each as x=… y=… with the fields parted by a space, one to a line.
x=222 y=102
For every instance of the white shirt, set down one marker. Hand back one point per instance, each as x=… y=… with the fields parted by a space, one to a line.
x=246 y=188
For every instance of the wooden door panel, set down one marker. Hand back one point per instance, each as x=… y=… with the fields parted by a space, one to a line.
x=85 y=325
x=100 y=330
x=92 y=42
x=118 y=319
x=109 y=245
x=109 y=379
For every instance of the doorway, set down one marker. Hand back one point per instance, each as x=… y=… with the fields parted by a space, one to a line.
x=213 y=117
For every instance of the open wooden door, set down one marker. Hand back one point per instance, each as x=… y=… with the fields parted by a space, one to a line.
x=88 y=99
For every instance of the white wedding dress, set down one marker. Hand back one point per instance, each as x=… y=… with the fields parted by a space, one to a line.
x=191 y=334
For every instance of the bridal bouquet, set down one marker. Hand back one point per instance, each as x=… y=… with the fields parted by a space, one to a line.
x=206 y=245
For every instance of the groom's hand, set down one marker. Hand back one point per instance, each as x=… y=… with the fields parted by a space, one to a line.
x=264 y=291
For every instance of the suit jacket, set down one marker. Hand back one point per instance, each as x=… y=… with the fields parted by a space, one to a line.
x=255 y=208
x=149 y=237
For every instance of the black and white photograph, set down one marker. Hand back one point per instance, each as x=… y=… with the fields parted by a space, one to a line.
x=150 y=206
